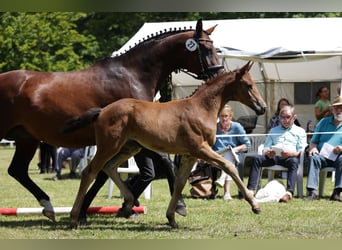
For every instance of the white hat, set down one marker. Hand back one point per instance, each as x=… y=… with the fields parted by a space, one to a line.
x=337 y=101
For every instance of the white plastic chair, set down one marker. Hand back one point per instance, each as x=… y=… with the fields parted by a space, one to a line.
x=256 y=141
x=89 y=153
x=322 y=176
x=131 y=169
x=274 y=168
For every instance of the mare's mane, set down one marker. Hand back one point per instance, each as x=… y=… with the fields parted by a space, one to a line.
x=145 y=42
x=157 y=36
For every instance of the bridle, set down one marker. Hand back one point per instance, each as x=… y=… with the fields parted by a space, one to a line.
x=206 y=70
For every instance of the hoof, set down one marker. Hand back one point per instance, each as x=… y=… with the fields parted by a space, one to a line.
x=124 y=213
x=82 y=221
x=181 y=210
x=50 y=214
x=73 y=224
x=173 y=225
x=256 y=210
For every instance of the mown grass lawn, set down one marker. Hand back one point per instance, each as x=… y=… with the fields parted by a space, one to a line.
x=206 y=219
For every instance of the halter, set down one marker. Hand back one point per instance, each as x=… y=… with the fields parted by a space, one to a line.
x=206 y=71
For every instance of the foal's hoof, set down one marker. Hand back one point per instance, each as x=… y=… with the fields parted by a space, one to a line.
x=256 y=210
x=181 y=210
x=50 y=214
x=173 y=224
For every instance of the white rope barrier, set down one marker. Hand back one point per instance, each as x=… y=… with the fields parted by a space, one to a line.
x=255 y=135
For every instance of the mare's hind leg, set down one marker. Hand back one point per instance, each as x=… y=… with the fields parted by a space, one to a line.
x=18 y=169
x=182 y=176
x=208 y=155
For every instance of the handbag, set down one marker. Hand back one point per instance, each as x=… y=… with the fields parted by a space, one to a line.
x=201 y=181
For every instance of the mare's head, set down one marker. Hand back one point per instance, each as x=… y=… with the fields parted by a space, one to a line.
x=244 y=90
x=200 y=56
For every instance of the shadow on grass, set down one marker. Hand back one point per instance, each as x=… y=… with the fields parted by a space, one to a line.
x=93 y=223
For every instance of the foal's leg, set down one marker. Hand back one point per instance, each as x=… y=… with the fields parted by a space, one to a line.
x=129 y=149
x=88 y=175
x=181 y=178
x=215 y=159
x=101 y=179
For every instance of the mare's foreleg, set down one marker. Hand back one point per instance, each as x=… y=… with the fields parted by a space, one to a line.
x=182 y=176
x=18 y=169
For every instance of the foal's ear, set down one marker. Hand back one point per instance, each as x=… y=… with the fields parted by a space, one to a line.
x=245 y=69
x=249 y=65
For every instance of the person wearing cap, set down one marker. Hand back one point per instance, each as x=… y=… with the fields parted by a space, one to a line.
x=327 y=132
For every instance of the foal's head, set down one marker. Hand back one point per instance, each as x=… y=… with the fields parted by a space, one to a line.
x=247 y=91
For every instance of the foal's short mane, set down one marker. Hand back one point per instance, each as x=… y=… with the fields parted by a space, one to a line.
x=203 y=85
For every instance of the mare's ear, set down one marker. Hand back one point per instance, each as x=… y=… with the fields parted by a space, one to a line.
x=210 y=30
x=199 y=28
x=199 y=25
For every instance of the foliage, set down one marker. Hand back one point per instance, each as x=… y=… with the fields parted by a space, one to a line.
x=44 y=41
x=66 y=41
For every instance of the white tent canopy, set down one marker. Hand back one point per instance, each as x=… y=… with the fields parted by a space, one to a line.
x=284 y=50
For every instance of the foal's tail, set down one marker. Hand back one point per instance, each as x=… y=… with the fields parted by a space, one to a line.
x=78 y=122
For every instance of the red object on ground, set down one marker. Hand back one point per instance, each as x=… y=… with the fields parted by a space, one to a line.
x=60 y=210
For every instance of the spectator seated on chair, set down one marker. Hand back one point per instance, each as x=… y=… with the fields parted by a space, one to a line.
x=322 y=144
x=237 y=144
x=291 y=140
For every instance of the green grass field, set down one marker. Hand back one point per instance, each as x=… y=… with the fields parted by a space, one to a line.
x=207 y=219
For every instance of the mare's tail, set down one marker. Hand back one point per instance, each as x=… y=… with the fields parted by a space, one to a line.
x=78 y=122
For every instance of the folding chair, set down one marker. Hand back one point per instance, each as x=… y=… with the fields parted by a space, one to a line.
x=131 y=169
x=322 y=176
x=271 y=170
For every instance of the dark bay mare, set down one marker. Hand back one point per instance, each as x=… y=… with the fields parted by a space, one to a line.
x=35 y=105
x=129 y=124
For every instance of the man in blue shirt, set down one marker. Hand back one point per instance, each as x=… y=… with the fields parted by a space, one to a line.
x=328 y=130
x=291 y=139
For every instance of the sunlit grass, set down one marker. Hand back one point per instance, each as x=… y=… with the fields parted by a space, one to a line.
x=206 y=219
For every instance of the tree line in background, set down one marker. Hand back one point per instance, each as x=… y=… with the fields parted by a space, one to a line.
x=68 y=41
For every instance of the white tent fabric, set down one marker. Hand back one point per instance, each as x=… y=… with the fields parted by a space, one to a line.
x=284 y=51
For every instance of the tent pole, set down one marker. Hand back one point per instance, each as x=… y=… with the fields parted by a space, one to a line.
x=264 y=76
